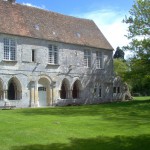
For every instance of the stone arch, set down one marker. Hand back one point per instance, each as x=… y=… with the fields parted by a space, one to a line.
x=65 y=89
x=1 y=89
x=14 y=89
x=76 y=89
x=44 y=94
x=46 y=77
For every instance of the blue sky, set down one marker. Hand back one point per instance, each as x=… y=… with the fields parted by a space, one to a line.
x=107 y=14
x=80 y=6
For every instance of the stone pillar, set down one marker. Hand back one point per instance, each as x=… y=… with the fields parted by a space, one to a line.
x=59 y=94
x=52 y=97
x=1 y=94
x=48 y=92
x=5 y=95
x=70 y=94
x=53 y=93
x=36 y=94
x=32 y=87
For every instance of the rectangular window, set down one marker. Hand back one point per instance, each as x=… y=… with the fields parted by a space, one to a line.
x=99 y=60
x=87 y=58
x=33 y=55
x=41 y=88
x=114 y=90
x=98 y=91
x=118 y=90
x=95 y=91
x=53 y=54
x=9 y=49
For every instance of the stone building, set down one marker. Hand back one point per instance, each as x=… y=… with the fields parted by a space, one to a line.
x=118 y=88
x=49 y=59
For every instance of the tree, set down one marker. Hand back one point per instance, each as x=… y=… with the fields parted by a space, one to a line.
x=138 y=77
x=119 y=53
x=139 y=30
x=139 y=25
x=120 y=68
x=139 y=33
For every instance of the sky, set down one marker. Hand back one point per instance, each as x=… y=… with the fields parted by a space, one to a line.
x=107 y=14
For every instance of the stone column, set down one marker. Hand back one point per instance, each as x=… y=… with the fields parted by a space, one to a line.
x=53 y=93
x=48 y=92
x=52 y=96
x=32 y=87
x=5 y=95
x=36 y=94
x=70 y=94
x=1 y=94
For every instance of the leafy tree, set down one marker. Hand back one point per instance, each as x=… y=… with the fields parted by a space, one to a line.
x=139 y=30
x=139 y=33
x=138 y=77
x=139 y=26
x=119 y=53
x=120 y=68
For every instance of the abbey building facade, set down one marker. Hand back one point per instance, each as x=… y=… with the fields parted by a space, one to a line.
x=50 y=59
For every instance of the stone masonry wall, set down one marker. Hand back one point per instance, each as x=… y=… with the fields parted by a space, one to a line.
x=71 y=67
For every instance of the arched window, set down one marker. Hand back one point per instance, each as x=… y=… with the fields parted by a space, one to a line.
x=14 y=89
x=76 y=89
x=64 y=92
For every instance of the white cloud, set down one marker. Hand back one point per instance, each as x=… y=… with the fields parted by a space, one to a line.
x=31 y=5
x=110 y=23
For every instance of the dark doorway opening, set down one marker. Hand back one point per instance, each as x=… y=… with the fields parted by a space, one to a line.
x=12 y=91
x=75 y=92
x=63 y=93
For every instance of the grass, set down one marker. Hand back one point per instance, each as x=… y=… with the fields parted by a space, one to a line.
x=142 y=98
x=113 y=126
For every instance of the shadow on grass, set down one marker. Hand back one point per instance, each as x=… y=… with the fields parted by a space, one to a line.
x=141 y=142
x=136 y=107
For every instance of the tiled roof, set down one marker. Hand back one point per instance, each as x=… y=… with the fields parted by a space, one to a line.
x=32 y=22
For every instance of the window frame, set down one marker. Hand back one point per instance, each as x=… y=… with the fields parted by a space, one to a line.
x=116 y=90
x=9 y=49
x=99 y=60
x=98 y=90
x=33 y=55
x=87 y=58
x=53 y=54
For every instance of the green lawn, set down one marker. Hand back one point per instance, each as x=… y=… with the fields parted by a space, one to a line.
x=115 y=126
x=142 y=98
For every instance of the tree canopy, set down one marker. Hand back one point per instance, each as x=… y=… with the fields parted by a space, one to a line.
x=120 y=68
x=139 y=33
x=119 y=53
x=139 y=23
